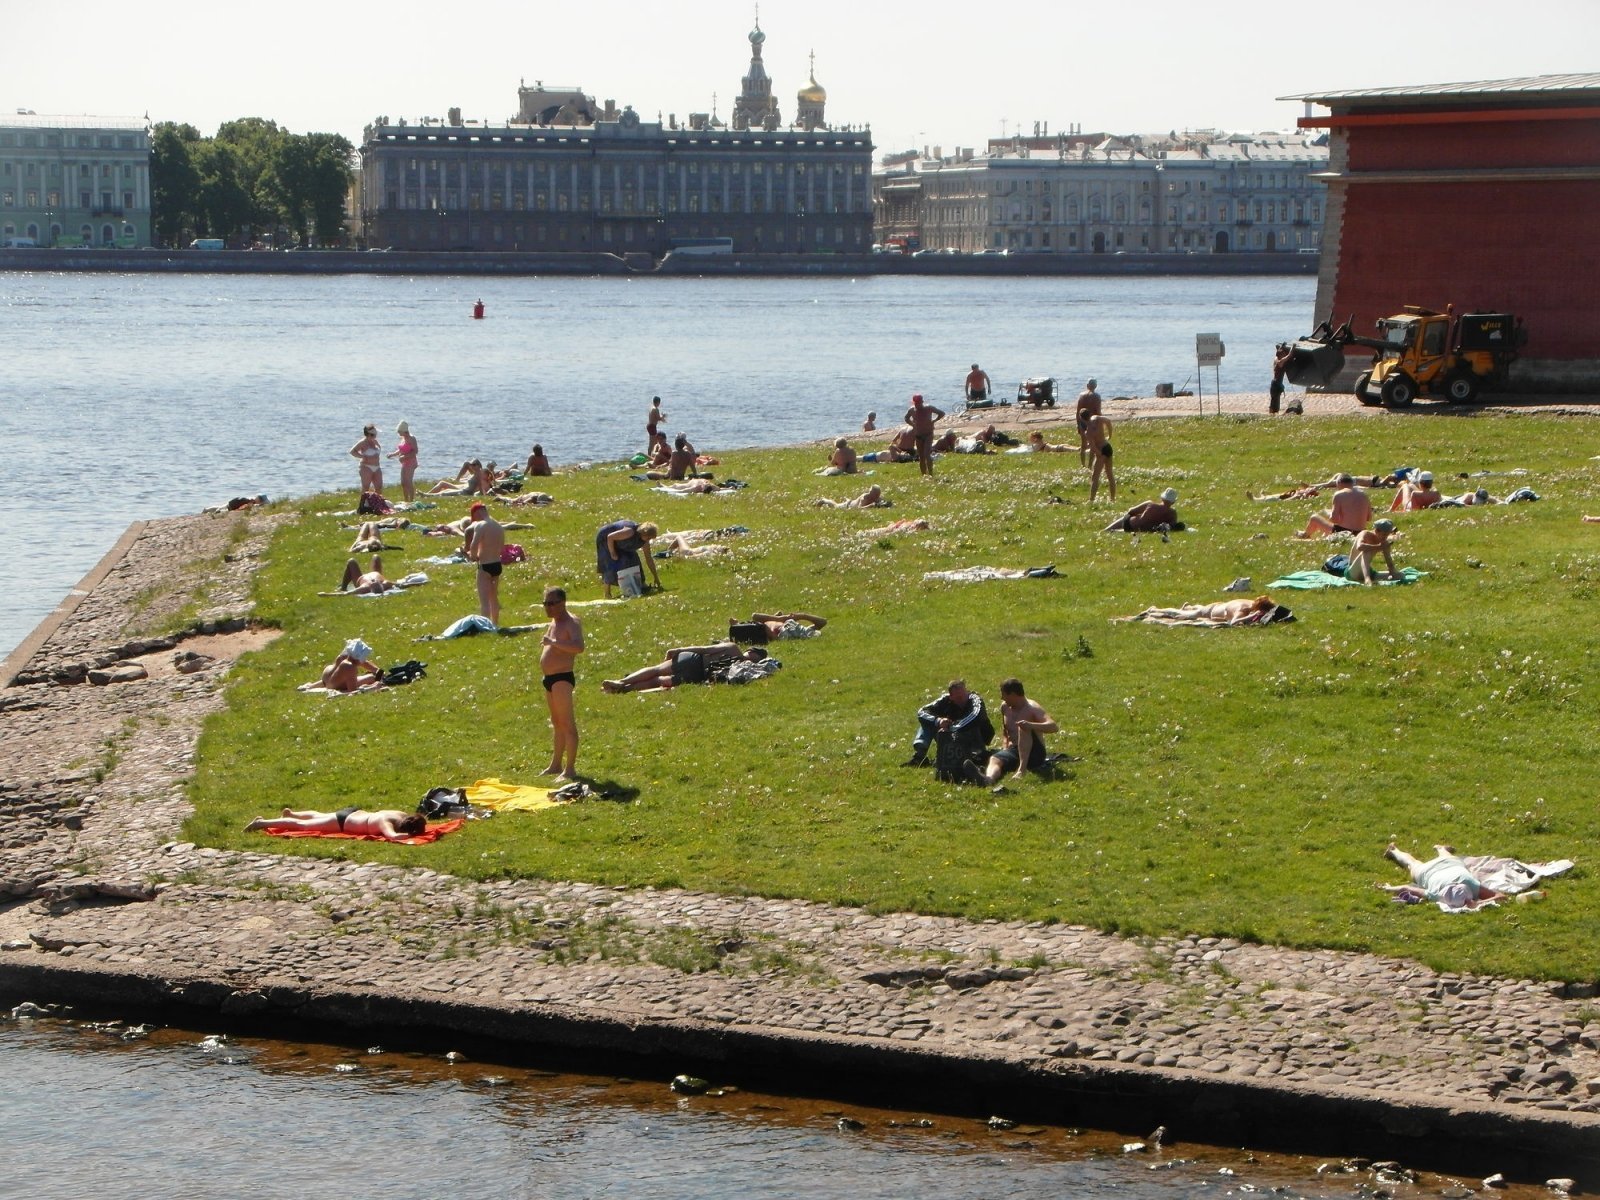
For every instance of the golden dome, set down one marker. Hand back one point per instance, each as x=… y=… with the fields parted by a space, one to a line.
x=813 y=93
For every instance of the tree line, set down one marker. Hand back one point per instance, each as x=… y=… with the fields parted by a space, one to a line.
x=252 y=178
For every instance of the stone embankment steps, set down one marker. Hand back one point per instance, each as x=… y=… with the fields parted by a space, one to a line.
x=1343 y=1053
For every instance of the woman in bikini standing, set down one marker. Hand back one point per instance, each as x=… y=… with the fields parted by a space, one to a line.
x=370 y=455
x=406 y=452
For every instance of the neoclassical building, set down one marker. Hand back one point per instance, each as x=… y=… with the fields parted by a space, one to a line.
x=1222 y=195
x=74 y=181
x=567 y=174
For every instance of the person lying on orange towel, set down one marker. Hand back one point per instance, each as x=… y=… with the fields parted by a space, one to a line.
x=387 y=825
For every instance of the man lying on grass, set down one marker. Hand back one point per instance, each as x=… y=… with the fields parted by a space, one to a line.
x=686 y=664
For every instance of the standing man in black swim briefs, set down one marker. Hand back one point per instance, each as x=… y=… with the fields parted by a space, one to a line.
x=1088 y=406
x=921 y=417
x=561 y=645
x=486 y=538
x=1097 y=434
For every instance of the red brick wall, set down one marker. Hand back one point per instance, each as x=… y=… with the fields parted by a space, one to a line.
x=1478 y=144
x=1532 y=249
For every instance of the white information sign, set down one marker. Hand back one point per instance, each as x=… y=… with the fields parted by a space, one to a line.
x=1208 y=349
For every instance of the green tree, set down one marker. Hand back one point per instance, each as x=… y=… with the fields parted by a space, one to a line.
x=254 y=143
x=225 y=205
x=174 y=181
x=312 y=175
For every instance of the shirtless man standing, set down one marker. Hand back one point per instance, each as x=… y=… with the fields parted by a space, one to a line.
x=921 y=417
x=977 y=384
x=486 y=538
x=1351 y=512
x=561 y=645
x=1088 y=406
x=1097 y=436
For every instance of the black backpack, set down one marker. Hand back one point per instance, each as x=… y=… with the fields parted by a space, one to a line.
x=404 y=673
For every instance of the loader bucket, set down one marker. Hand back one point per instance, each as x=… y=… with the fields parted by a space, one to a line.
x=1314 y=363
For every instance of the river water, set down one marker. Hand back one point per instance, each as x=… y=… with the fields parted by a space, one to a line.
x=178 y=1113
x=133 y=396
x=128 y=397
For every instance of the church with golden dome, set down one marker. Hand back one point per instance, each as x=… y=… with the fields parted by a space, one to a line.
x=568 y=174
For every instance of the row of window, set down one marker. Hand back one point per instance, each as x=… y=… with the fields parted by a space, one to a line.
x=434 y=167
x=86 y=141
x=626 y=204
x=1282 y=211
x=108 y=233
x=451 y=233
x=30 y=170
x=1024 y=239
x=30 y=199
x=980 y=184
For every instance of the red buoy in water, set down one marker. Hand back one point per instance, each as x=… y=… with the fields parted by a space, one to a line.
x=477 y=311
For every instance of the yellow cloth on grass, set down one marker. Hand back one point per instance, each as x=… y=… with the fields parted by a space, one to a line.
x=509 y=797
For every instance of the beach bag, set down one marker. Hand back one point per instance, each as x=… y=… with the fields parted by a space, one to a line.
x=513 y=553
x=374 y=505
x=404 y=672
x=443 y=803
x=752 y=633
x=951 y=755
x=1337 y=565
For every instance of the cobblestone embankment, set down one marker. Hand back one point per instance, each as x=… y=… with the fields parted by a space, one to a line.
x=102 y=903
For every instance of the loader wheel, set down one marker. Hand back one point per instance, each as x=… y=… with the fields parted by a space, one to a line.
x=1364 y=393
x=1461 y=387
x=1399 y=390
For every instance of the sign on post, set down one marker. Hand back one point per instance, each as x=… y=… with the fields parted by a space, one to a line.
x=1208 y=352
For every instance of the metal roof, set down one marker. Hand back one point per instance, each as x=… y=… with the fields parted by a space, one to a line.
x=1527 y=87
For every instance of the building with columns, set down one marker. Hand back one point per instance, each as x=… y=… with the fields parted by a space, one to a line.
x=1203 y=194
x=568 y=175
x=74 y=181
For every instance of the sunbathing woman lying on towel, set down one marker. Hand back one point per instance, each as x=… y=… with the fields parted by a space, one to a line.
x=390 y=824
x=1228 y=612
x=871 y=498
x=361 y=583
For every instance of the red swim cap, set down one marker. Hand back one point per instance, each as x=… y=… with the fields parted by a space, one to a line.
x=917 y=399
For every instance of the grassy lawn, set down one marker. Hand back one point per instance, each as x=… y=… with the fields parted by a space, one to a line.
x=1232 y=782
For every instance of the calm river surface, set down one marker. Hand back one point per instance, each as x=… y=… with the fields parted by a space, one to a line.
x=179 y=1114
x=132 y=396
x=128 y=397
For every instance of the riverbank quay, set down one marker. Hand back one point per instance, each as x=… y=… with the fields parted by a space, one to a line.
x=511 y=262
x=105 y=907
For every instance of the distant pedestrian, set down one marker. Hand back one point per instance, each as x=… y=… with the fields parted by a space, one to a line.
x=406 y=452
x=870 y=424
x=1088 y=406
x=486 y=538
x=921 y=418
x=978 y=384
x=1280 y=366
x=369 y=454
x=562 y=643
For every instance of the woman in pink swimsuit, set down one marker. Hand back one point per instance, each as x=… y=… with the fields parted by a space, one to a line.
x=406 y=452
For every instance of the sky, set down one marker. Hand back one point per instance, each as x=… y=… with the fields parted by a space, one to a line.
x=934 y=73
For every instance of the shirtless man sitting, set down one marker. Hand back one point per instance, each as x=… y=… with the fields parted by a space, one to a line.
x=685 y=664
x=486 y=538
x=901 y=448
x=352 y=671
x=538 y=463
x=1022 y=748
x=1351 y=512
x=842 y=461
x=1368 y=543
x=1415 y=496
x=1149 y=516
x=389 y=823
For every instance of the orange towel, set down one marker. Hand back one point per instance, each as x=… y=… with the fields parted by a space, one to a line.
x=432 y=834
